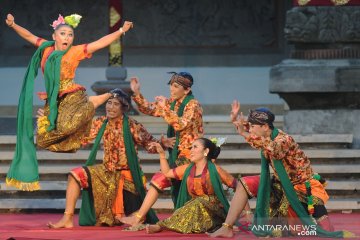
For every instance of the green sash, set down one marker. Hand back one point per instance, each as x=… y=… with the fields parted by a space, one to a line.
x=261 y=216
x=215 y=181
x=173 y=152
x=87 y=212
x=23 y=173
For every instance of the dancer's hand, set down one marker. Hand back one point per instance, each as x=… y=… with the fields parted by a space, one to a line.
x=235 y=109
x=10 y=20
x=161 y=101
x=40 y=112
x=127 y=25
x=135 y=85
x=241 y=125
x=158 y=147
x=167 y=142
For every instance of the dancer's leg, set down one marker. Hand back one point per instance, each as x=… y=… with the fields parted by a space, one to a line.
x=72 y=194
x=237 y=204
x=99 y=99
x=137 y=218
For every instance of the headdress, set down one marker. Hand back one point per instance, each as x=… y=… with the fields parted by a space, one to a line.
x=72 y=20
x=121 y=96
x=183 y=78
x=261 y=116
x=218 y=141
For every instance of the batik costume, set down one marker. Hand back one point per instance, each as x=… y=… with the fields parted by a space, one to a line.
x=184 y=118
x=67 y=117
x=203 y=210
x=295 y=195
x=111 y=183
x=74 y=113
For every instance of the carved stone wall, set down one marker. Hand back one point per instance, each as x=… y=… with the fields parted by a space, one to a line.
x=235 y=24
x=37 y=15
x=166 y=33
x=323 y=24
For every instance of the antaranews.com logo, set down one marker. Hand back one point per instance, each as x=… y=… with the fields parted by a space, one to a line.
x=301 y=230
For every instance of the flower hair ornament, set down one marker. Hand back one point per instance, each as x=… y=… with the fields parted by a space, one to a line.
x=72 y=20
x=218 y=141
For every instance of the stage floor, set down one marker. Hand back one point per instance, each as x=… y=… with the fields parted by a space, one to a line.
x=33 y=226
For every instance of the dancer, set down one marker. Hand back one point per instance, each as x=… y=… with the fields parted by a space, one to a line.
x=202 y=204
x=294 y=196
x=68 y=111
x=117 y=186
x=183 y=114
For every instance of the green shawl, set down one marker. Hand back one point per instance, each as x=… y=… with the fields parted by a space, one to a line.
x=261 y=217
x=173 y=152
x=87 y=212
x=215 y=182
x=23 y=173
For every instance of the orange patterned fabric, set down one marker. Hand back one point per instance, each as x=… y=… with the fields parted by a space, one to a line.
x=69 y=63
x=317 y=190
x=198 y=186
x=190 y=125
x=114 y=145
x=118 y=205
x=284 y=148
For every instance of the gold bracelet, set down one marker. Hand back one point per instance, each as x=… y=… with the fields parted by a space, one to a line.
x=69 y=213
x=227 y=225
x=138 y=216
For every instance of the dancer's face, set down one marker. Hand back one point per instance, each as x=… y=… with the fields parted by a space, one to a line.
x=63 y=37
x=198 y=152
x=259 y=130
x=177 y=91
x=113 y=108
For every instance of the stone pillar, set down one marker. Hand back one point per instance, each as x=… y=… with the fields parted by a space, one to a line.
x=115 y=73
x=321 y=81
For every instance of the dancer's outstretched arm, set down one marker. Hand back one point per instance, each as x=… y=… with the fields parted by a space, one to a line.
x=164 y=165
x=108 y=39
x=24 y=33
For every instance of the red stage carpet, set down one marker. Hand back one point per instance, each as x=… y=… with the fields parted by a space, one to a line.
x=33 y=226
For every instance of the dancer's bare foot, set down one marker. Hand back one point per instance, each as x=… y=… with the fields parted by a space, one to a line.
x=153 y=228
x=133 y=220
x=65 y=222
x=222 y=232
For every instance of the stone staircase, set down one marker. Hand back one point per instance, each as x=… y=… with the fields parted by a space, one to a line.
x=331 y=156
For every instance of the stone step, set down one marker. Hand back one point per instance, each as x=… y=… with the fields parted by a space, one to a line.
x=160 y=205
x=213 y=124
x=348 y=185
x=232 y=168
x=230 y=154
x=7 y=142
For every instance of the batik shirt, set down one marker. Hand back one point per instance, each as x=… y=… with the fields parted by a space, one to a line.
x=114 y=145
x=201 y=185
x=190 y=125
x=284 y=148
x=69 y=63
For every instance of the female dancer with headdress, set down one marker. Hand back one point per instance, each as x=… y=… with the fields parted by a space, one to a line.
x=68 y=110
x=201 y=204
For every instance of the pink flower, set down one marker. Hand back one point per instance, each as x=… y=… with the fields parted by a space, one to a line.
x=57 y=22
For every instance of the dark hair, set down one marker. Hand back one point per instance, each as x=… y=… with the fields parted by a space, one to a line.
x=214 y=150
x=123 y=98
x=261 y=116
x=184 y=75
x=63 y=24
